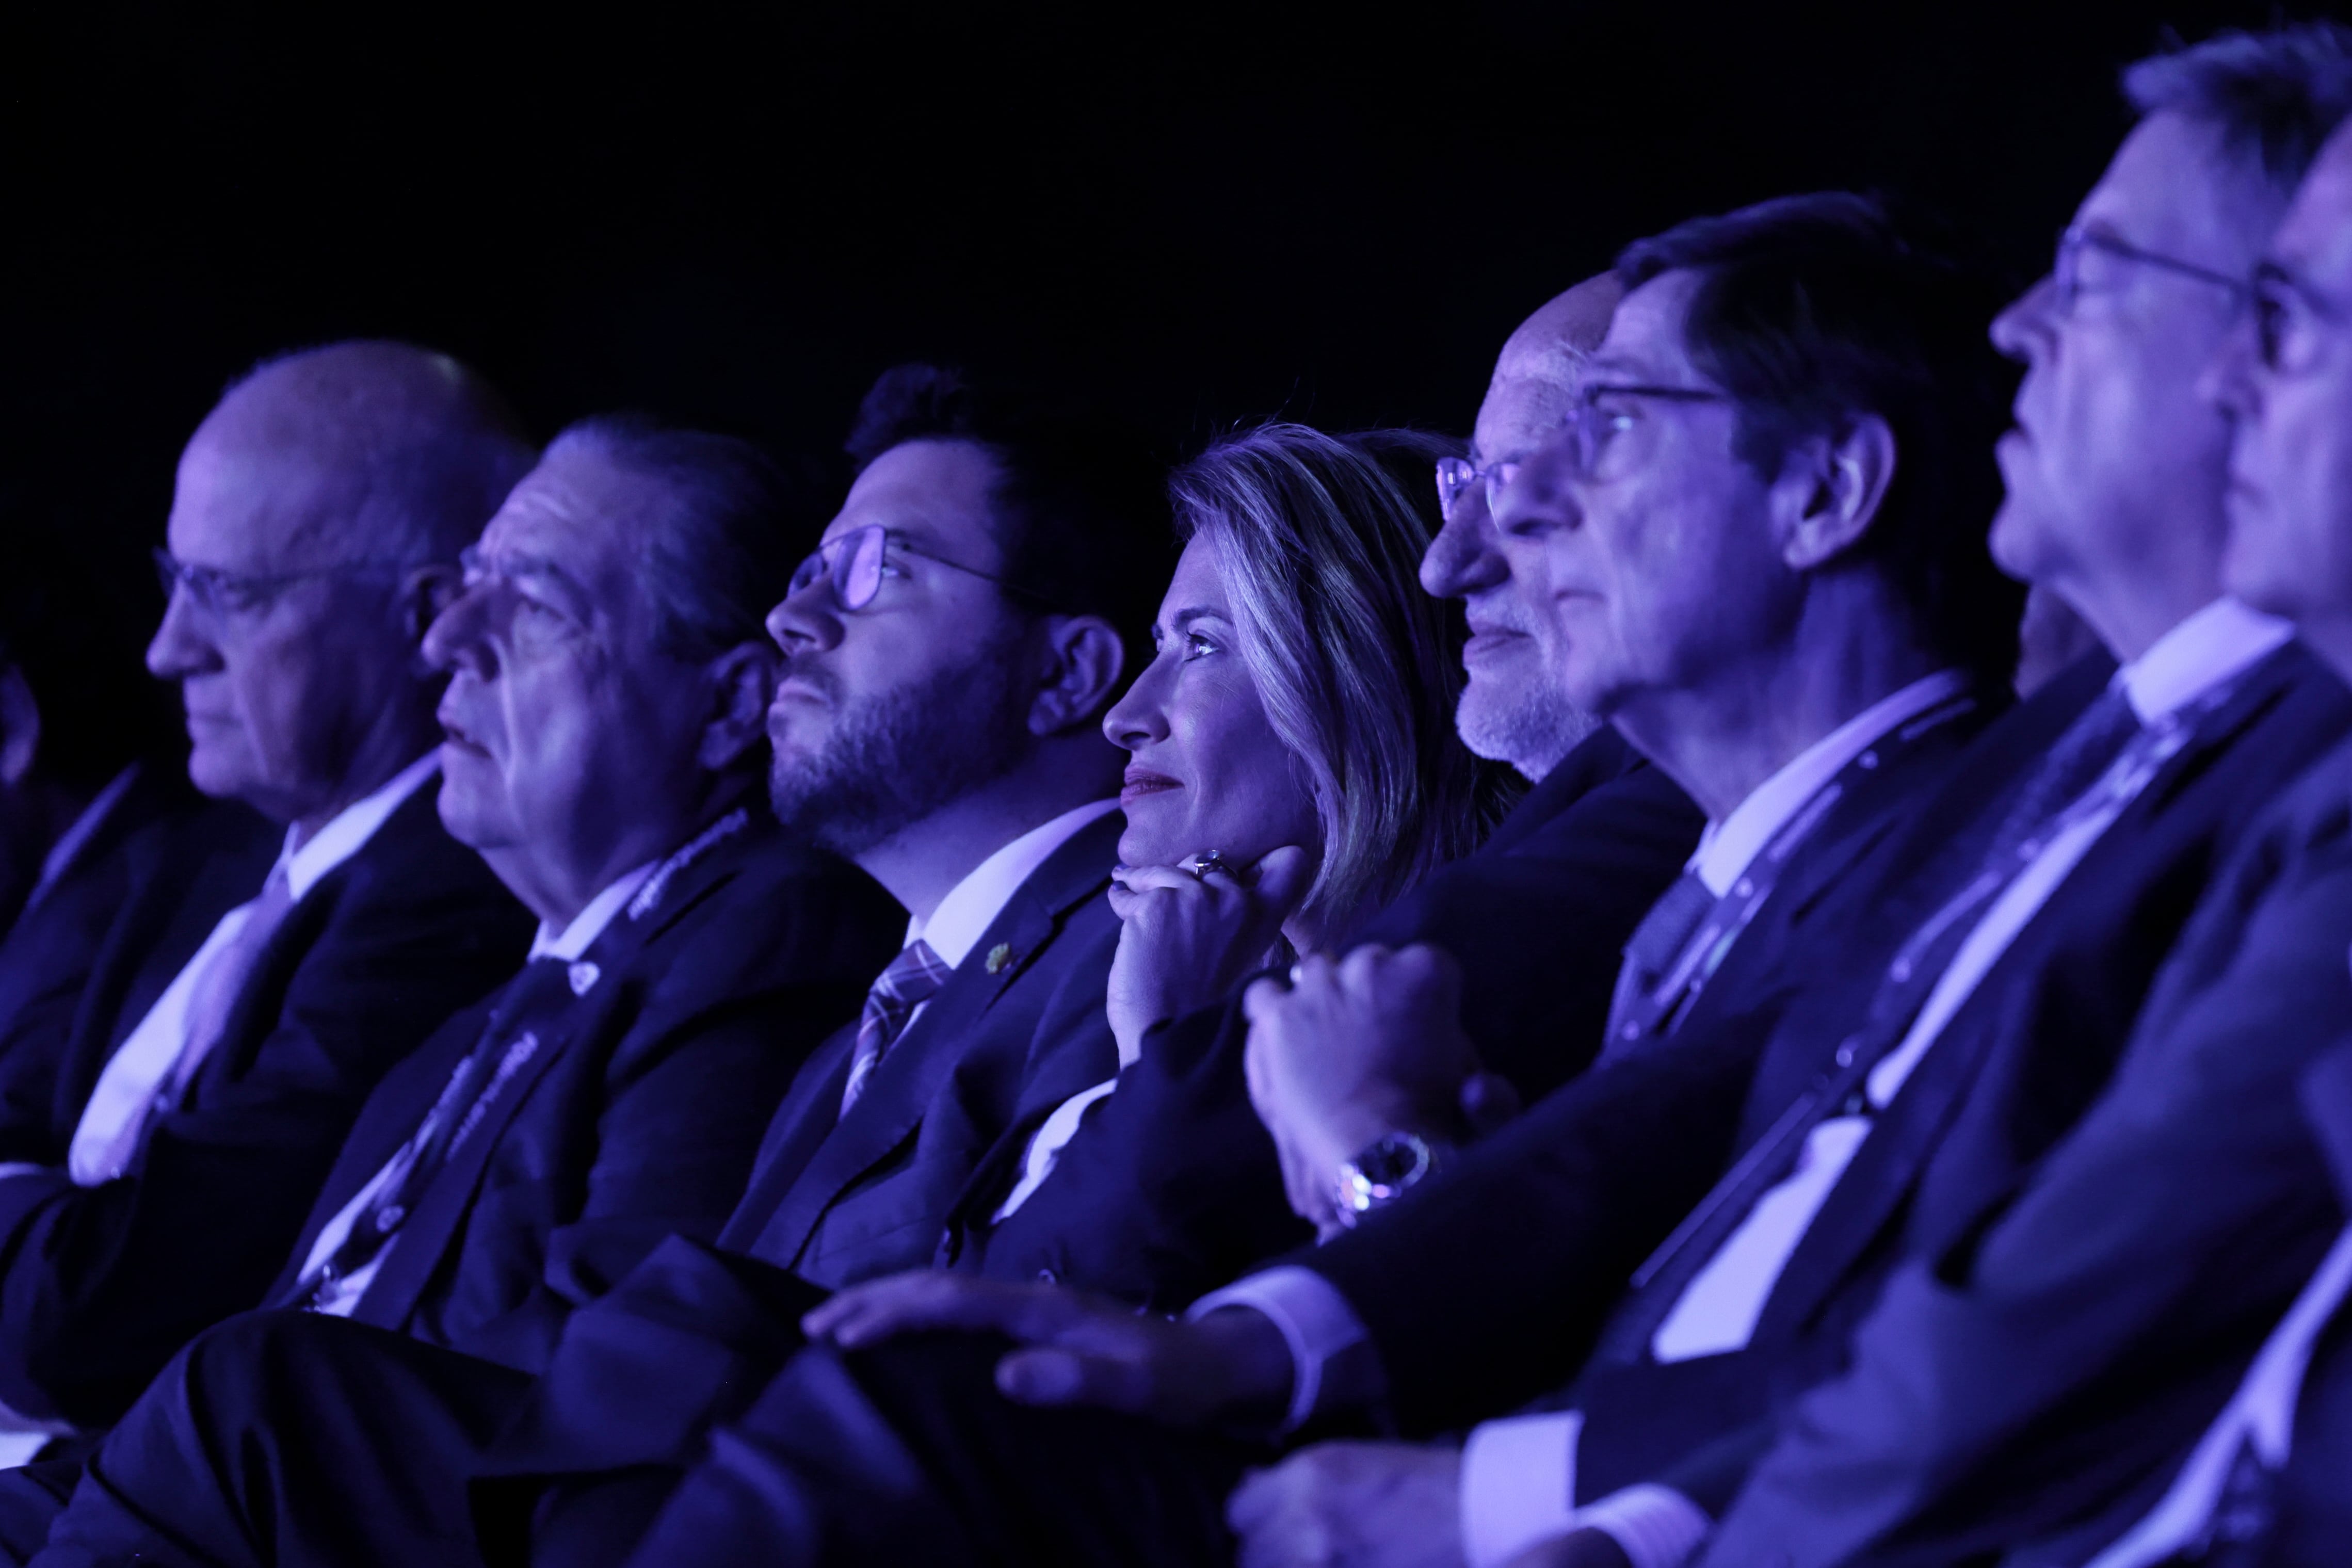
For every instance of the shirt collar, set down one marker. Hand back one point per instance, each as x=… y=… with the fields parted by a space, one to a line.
x=589 y=924
x=1727 y=847
x=347 y=831
x=972 y=905
x=2212 y=646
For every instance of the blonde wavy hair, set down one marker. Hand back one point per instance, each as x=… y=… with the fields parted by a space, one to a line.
x=1318 y=547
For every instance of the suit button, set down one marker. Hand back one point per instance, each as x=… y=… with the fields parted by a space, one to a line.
x=1047 y=1277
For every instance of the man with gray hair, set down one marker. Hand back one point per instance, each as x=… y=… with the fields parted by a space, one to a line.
x=216 y=1064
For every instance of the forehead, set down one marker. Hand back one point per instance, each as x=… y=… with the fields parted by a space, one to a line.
x=2316 y=240
x=579 y=514
x=243 y=502
x=2171 y=188
x=935 y=493
x=1197 y=583
x=1645 y=334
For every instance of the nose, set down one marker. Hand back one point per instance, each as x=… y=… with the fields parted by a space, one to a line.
x=1140 y=717
x=183 y=645
x=2228 y=381
x=1466 y=558
x=2022 y=330
x=803 y=623
x=459 y=639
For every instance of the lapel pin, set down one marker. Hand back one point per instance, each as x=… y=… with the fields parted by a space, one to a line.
x=583 y=976
x=999 y=955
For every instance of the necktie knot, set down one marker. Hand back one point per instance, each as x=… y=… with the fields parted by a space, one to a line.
x=907 y=984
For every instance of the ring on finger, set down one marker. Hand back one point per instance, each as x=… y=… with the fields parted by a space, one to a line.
x=1201 y=864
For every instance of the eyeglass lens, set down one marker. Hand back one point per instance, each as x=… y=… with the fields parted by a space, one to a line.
x=851 y=564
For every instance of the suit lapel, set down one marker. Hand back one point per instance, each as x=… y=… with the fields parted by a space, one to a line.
x=1881 y=1179
x=901 y=1089
x=427 y=1234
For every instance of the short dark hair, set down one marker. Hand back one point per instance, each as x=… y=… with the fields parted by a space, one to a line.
x=2275 y=96
x=1080 y=498
x=724 y=556
x=1812 y=310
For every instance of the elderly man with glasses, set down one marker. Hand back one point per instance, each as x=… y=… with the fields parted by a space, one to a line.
x=217 y=1059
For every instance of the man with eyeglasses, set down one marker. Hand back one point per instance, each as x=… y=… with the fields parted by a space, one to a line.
x=2085 y=1376
x=232 y=1025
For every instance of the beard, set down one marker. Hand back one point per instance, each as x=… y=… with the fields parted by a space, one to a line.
x=1530 y=728
x=891 y=760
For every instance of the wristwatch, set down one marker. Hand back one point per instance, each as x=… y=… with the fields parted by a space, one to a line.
x=1382 y=1170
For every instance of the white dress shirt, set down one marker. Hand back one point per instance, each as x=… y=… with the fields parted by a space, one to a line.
x=1518 y=1474
x=150 y=1054
x=566 y=945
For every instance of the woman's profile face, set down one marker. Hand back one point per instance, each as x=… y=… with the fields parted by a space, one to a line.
x=1205 y=769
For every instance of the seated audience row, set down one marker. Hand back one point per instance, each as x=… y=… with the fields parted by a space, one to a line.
x=1827 y=1110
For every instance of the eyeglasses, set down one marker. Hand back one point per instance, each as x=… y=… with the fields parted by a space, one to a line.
x=1588 y=431
x=2077 y=270
x=2287 y=314
x=219 y=594
x=855 y=563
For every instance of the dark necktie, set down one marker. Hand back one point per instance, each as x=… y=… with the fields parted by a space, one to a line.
x=1654 y=947
x=909 y=982
x=506 y=1043
x=2095 y=742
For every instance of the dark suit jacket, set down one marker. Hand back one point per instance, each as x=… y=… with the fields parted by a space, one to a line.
x=2036 y=1375
x=163 y=863
x=99 y=1285
x=2314 y=1503
x=1468 y=1321
x=2009 y=1075
x=694 y=1331
x=1172 y=1187
x=638 y=1115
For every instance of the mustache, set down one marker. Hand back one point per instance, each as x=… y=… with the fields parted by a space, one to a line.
x=823 y=681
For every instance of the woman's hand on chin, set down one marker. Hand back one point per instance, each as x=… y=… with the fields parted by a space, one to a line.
x=1186 y=941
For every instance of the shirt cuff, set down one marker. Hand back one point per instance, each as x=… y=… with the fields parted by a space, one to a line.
x=1518 y=1480
x=1655 y=1526
x=1314 y=1322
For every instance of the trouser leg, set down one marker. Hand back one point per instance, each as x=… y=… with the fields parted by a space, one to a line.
x=907 y=1453
x=289 y=1439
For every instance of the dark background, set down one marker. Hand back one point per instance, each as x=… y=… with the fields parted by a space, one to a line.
x=1206 y=214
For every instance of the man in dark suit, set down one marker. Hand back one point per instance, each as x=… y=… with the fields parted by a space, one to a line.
x=225 y=1039
x=938 y=722
x=2035 y=1388
x=1884 y=1111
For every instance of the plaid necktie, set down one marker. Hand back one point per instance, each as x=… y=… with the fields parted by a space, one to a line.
x=906 y=985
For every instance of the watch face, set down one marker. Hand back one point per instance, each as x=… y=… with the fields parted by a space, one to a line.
x=1393 y=1159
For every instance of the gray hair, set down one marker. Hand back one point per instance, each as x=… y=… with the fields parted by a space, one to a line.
x=2275 y=96
x=414 y=451
x=724 y=552
x=1319 y=548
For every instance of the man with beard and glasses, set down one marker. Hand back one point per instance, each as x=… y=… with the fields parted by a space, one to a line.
x=948 y=654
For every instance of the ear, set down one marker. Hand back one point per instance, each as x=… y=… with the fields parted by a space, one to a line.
x=1083 y=661
x=20 y=727
x=1829 y=492
x=425 y=593
x=739 y=682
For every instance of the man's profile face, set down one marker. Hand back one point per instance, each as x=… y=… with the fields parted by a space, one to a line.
x=889 y=712
x=2290 y=494
x=1511 y=708
x=2114 y=459
x=1664 y=572
x=280 y=683
x=566 y=728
